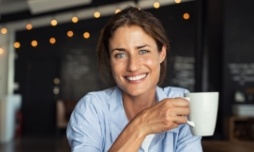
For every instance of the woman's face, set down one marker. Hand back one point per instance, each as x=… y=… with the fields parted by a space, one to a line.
x=135 y=60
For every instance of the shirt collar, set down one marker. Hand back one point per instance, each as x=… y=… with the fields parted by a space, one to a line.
x=117 y=114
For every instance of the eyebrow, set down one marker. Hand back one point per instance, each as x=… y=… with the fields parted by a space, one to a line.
x=122 y=49
x=117 y=49
x=142 y=46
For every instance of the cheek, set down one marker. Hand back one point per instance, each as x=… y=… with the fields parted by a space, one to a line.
x=116 y=67
x=152 y=62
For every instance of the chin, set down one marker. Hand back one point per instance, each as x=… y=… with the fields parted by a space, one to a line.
x=134 y=91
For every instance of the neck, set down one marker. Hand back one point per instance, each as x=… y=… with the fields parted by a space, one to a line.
x=134 y=105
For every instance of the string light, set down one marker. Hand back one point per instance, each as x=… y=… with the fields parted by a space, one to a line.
x=29 y=26
x=74 y=19
x=86 y=35
x=56 y=90
x=156 y=5
x=52 y=40
x=177 y=1
x=186 y=16
x=56 y=81
x=16 y=45
x=4 y=30
x=53 y=22
x=34 y=43
x=96 y=14
x=70 y=33
x=117 y=10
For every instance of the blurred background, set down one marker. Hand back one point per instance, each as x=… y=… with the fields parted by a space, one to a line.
x=48 y=62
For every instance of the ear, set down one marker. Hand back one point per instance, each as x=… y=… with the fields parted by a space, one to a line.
x=163 y=53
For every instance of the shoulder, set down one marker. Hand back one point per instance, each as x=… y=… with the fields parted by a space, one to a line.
x=99 y=99
x=171 y=91
x=101 y=94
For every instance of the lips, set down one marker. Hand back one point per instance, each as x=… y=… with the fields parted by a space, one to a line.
x=136 y=78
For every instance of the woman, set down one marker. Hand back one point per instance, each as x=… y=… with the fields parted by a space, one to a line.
x=135 y=114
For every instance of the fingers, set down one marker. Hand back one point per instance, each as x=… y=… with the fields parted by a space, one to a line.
x=181 y=102
x=180 y=120
x=176 y=106
x=166 y=115
x=177 y=110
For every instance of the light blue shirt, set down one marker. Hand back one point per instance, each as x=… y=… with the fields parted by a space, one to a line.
x=99 y=118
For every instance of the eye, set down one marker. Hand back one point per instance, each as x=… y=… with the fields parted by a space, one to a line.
x=143 y=52
x=120 y=55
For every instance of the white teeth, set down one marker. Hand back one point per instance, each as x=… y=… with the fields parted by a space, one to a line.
x=135 y=78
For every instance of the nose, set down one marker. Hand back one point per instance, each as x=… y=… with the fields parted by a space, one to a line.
x=133 y=63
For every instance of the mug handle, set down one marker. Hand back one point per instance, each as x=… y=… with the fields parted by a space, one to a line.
x=191 y=123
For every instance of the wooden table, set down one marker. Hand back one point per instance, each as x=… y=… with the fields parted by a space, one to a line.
x=228 y=146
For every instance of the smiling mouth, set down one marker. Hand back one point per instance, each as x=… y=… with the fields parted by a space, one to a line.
x=136 y=78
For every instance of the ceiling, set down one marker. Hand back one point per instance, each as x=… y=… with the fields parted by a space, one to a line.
x=15 y=14
x=13 y=10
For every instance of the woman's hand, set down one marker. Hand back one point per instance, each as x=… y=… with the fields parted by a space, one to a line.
x=164 y=116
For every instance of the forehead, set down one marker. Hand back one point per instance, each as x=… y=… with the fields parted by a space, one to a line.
x=130 y=33
x=127 y=27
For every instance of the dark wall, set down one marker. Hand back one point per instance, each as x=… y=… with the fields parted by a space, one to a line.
x=238 y=55
x=79 y=69
x=212 y=25
x=238 y=49
x=71 y=59
x=182 y=36
x=229 y=41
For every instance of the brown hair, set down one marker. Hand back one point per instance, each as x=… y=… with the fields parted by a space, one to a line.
x=131 y=16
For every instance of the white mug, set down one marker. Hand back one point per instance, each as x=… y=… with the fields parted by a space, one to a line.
x=203 y=112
